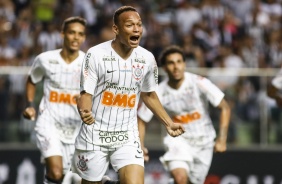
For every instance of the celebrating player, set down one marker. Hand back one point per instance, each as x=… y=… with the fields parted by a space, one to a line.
x=58 y=122
x=184 y=96
x=114 y=76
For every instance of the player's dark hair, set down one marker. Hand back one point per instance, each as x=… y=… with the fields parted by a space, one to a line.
x=71 y=20
x=170 y=50
x=121 y=10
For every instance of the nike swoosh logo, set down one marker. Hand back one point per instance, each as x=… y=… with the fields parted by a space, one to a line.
x=110 y=71
x=139 y=151
x=137 y=156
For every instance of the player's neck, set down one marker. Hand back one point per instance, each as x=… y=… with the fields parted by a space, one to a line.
x=68 y=56
x=175 y=84
x=123 y=51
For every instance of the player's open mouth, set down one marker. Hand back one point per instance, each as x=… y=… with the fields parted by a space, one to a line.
x=134 y=38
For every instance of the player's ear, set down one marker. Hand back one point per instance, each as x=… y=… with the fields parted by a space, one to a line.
x=115 y=29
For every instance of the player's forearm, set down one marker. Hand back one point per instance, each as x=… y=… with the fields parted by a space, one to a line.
x=30 y=91
x=224 y=120
x=152 y=101
x=84 y=102
x=142 y=130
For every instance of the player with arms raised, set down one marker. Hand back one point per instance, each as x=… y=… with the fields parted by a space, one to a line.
x=114 y=76
x=185 y=97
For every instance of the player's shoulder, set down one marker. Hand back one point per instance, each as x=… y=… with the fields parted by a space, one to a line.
x=100 y=48
x=194 y=77
x=48 y=55
x=81 y=53
x=144 y=52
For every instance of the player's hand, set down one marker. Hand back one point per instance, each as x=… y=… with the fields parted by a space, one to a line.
x=175 y=129
x=29 y=113
x=86 y=117
x=220 y=145
x=146 y=154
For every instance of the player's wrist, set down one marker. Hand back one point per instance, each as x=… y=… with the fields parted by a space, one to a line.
x=31 y=104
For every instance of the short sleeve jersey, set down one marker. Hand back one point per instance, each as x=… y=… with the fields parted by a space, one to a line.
x=188 y=105
x=60 y=90
x=115 y=84
x=277 y=80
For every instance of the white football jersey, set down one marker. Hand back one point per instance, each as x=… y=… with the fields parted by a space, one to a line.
x=188 y=105
x=115 y=84
x=60 y=90
x=277 y=80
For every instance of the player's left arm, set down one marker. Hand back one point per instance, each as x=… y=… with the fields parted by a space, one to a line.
x=220 y=144
x=152 y=101
x=142 y=131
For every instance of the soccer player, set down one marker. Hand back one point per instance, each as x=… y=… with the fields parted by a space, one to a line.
x=114 y=76
x=58 y=121
x=274 y=90
x=185 y=97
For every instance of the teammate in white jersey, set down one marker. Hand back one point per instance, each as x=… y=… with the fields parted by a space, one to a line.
x=58 y=122
x=274 y=89
x=185 y=97
x=114 y=75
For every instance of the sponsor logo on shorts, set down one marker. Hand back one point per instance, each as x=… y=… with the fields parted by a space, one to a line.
x=139 y=151
x=113 y=138
x=82 y=163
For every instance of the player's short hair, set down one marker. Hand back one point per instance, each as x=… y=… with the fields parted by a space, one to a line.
x=170 y=50
x=121 y=10
x=71 y=20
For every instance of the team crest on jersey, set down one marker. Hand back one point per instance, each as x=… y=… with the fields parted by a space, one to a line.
x=51 y=61
x=82 y=163
x=138 y=71
x=109 y=58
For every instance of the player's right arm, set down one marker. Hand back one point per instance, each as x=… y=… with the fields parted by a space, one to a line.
x=84 y=105
x=36 y=75
x=30 y=112
x=88 y=82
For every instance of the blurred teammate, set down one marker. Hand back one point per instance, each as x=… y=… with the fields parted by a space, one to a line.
x=274 y=91
x=185 y=97
x=114 y=75
x=58 y=122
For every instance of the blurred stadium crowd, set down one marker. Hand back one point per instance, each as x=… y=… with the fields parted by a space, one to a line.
x=213 y=33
